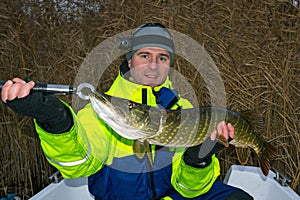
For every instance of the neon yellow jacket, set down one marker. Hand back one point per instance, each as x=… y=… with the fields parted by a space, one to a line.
x=91 y=144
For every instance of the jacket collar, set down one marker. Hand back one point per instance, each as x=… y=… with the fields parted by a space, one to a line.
x=122 y=87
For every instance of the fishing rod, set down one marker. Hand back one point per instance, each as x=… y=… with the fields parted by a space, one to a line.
x=49 y=88
x=59 y=89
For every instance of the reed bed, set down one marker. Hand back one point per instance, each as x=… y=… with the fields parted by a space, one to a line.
x=255 y=45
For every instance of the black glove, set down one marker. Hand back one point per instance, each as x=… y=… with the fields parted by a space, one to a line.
x=48 y=110
x=200 y=156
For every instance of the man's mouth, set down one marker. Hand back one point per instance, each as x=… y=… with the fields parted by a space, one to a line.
x=151 y=76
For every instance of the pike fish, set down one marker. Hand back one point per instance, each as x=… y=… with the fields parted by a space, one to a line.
x=183 y=128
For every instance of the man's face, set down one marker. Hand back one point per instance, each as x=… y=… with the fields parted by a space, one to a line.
x=150 y=66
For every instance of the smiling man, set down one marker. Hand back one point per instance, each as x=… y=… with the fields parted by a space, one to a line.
x=150 y=66
x=115 y=172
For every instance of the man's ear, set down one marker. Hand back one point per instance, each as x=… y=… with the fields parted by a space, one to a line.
x=129 y=63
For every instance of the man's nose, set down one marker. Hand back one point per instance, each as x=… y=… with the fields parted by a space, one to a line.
x=153 y=64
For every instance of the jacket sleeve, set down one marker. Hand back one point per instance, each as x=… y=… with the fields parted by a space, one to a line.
x=191 y=182
x=72 y=152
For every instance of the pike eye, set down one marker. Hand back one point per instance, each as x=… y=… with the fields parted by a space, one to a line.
x=130 y=104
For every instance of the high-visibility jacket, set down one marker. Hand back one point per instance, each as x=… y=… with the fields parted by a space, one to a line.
x=92 y=149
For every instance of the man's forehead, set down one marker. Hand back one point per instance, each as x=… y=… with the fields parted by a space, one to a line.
x=153 y=50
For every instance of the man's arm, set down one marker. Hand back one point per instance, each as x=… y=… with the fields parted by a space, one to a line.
x=193 y=174
x=81 y=151
x=63 y=138
x=48 y=110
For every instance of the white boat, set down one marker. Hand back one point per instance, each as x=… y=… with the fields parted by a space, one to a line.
x=250 y=179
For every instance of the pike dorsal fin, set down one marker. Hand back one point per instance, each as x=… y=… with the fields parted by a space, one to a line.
x=254 y=119
x=242 y=154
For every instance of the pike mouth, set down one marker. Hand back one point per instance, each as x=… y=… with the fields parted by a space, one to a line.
x=115 y=117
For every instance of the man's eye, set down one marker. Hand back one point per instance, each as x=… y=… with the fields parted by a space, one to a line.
x=163 y=59
x=144 y=56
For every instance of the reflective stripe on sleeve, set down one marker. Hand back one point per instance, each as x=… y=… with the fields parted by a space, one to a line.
x=72 y=163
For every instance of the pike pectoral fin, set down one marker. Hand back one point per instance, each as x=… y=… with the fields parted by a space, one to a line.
x=242 y=154
x=139 y=149
x=148 y=152
x=222 y=140
x=142 y=148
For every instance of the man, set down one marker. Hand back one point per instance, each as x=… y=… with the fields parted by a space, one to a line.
x=114 y=171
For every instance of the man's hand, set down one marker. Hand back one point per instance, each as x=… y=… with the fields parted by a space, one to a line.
x=17 y=88
x=226 y=130
x=49 y=112
x=195 y=157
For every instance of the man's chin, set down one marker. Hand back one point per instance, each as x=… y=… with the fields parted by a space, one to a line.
x=152 y=84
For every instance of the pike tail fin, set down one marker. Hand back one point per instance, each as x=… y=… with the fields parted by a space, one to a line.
x=264 y=157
